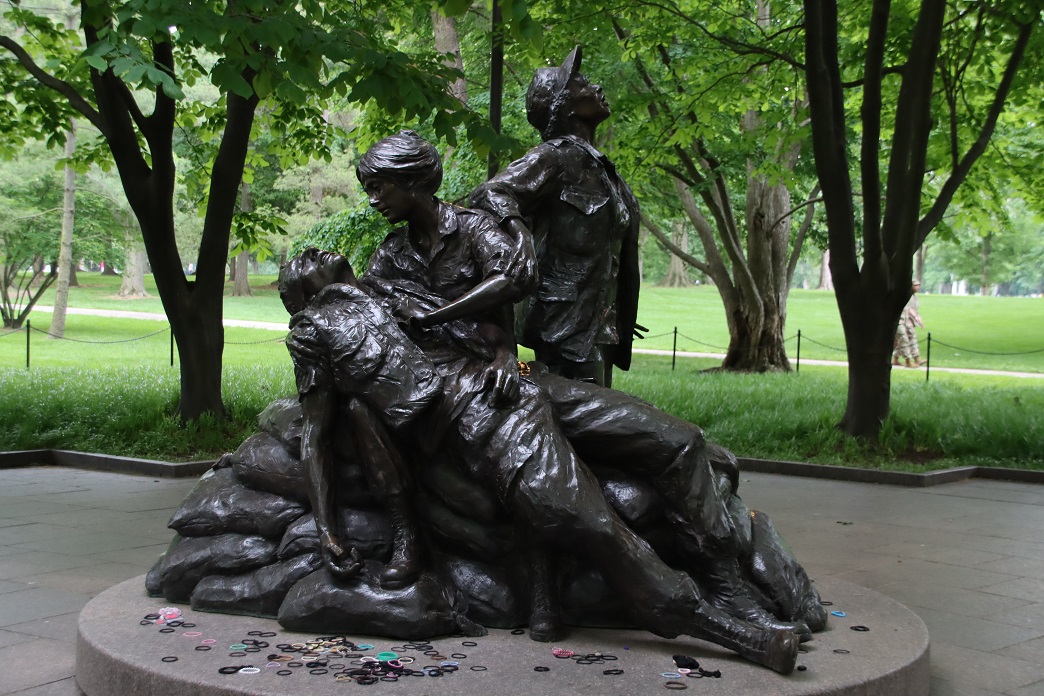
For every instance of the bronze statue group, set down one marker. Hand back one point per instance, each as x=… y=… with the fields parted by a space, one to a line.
x=416 y=359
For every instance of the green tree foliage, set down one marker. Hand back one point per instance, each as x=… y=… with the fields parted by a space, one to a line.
x=999 y=253
x=354 y=233
x=30 y=219
x=270 y=63
x=30 y=227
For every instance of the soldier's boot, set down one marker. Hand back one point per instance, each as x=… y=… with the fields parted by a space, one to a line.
x=774 y=649
x=404 y=566
x=545 y=617
x=910 y=363
x=727 y=592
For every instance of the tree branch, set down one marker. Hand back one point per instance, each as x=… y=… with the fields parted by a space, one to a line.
x=870 y=112
x=730 y=235
x=815 y=198
x=739 y=48
x=806 y=225
x=949 y=188
x=119 y=125
x=46 y=79
x=891 y=70
x=129 y=102
x=716 y=264
x=655 y=230
x=224 y=184
x=160 y=125
x=906 y=166
x=829 y=140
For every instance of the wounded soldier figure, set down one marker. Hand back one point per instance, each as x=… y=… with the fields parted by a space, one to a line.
x=419 y=355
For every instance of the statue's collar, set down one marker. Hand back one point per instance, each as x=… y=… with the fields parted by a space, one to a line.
x=586 y=147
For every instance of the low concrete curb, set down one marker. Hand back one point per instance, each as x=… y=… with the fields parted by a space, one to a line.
x=152 y=467
x=102 y=462
x=892 y=478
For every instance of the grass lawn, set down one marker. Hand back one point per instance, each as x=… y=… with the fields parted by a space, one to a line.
x=967 y=332
x=975 y=325
x=955 y=420
x=99 y=292
x=110 y=387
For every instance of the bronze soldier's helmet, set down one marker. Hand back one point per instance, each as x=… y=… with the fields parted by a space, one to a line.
x=547 y=94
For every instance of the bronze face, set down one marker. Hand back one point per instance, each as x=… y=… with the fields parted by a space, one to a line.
x=390 y=200
x=586 y=101
x=322 y=268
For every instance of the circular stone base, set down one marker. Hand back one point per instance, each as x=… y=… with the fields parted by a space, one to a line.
x=117 y=655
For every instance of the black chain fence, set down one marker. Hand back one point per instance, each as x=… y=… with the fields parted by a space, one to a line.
x=81 y=340
x=28 y=330
x=983 y=352
x=799 y=337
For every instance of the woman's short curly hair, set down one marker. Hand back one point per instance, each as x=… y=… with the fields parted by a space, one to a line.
x=406 y=159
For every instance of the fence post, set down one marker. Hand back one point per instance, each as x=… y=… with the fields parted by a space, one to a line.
x=28 y=332
x=799 y=352
x=172 y=347
x=674 y=350
x=928 y=361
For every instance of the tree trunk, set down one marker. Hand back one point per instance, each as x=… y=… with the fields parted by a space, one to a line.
x=241 y=286
x=133 y=285
x=755 y=346
x=919 y=260
x=987 y=247
x=759 y=346
x=241 y=282
x=448 y=44
x=200 y=337
x=61 y=297
x=496 y=81
x=677 y=274
x=870 y=337
x=825 y=281
x=109 y=269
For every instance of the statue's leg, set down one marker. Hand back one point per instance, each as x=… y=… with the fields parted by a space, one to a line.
x=559 y=499
x=389 y=477
x=614 y=429
x=555 y=498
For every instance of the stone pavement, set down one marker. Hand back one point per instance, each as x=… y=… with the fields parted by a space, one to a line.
x=967 y=557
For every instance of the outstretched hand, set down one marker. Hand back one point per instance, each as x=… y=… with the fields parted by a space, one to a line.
x=522 y=261
x=501 y=380
x=639 y=331
x=342 y=564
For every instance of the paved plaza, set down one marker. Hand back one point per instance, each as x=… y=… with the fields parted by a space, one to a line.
x=967 y=557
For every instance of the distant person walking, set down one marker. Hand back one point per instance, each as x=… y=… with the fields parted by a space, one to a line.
x=906 y=346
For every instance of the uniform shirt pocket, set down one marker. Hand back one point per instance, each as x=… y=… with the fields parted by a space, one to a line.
x=587 y=202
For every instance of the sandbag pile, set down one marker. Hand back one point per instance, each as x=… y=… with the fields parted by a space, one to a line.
x=246 y=543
